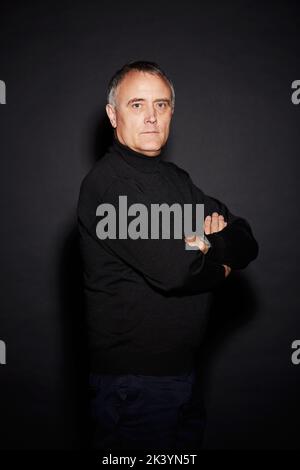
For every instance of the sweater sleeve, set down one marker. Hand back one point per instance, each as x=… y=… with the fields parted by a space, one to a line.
x=235 y=245
x=164 y=263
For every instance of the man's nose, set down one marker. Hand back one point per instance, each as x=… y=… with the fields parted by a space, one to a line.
x=150 y=115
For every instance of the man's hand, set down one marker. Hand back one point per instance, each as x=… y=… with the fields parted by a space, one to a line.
x=227 y=270
x=214 y=223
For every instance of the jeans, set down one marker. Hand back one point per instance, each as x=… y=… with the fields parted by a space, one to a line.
x=142 y=412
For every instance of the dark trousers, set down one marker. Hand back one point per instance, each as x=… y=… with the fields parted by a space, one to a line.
x=142 y=412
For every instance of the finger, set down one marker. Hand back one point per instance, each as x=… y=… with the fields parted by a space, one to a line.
x=200 y=244
x=207 y=223
x=204 y=247
x=215 y=222
x=221 y=222
x=227 y=270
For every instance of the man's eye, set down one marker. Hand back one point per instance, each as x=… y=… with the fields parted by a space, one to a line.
x=162 y=105
x=136 y=104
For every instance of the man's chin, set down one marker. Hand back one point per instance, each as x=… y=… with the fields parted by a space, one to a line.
x=150 y=150
x=150 y=144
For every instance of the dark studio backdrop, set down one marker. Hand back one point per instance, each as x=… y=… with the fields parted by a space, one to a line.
x=235 y=130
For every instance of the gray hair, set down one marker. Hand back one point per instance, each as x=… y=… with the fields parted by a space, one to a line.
x=141 y=66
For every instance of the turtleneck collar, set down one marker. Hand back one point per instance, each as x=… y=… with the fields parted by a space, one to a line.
x=136 y=159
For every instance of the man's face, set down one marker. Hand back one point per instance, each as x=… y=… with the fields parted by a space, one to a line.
x=143 y=112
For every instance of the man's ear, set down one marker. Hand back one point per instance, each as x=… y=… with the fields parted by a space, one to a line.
x=111 y=113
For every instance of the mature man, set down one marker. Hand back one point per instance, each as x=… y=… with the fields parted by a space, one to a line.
x=147 y=298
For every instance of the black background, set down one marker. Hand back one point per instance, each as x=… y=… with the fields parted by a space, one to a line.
x=235 y=130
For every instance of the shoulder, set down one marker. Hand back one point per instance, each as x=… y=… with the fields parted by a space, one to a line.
x=98 y=178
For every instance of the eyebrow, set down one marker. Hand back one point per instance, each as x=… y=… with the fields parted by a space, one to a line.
x=136 y=100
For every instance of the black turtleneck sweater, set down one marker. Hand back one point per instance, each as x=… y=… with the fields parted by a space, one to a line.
x=146 y=300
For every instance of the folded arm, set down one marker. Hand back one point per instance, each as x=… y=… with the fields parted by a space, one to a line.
x=235 y=244
x=164 y=263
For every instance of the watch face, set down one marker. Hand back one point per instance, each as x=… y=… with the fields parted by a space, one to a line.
x=203 y=238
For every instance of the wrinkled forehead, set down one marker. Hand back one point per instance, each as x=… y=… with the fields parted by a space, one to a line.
x=145 y=85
